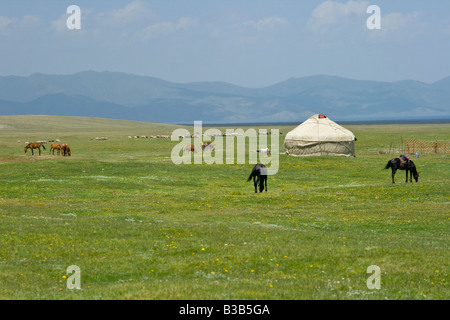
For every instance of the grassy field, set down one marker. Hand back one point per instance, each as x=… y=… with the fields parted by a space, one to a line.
x=140 y=227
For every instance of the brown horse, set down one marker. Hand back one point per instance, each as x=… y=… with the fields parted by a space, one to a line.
x=35 y=145
x=65 y=150
x=208 y=145
x=190 y=147
x=56 y=147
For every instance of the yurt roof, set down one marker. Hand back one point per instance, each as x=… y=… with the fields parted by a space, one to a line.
x=320 y=128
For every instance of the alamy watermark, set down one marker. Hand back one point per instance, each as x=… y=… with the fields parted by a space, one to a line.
x=374 y=21
x=374 y=281
x=74 y=281
x=74 y=20
x=231 y=145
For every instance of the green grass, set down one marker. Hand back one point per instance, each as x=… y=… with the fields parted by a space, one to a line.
x=140 y=227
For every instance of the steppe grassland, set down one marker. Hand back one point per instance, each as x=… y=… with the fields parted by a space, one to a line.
x=140 y=227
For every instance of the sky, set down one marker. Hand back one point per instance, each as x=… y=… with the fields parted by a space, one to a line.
x=250 y=43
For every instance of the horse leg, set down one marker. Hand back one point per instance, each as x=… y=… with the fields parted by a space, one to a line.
x=255 y=183
x=393 y=174
x=410 y=175
x=265 y=182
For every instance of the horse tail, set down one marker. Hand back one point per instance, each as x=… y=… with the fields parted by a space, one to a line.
x=389 y=164
x=251 y=175
x=43 y=146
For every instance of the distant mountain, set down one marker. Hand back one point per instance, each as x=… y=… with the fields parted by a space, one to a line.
x=130 y=97
x=63 y=105
x=443 y=84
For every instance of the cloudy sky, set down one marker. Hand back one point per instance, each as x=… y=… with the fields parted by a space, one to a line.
x=251 y=43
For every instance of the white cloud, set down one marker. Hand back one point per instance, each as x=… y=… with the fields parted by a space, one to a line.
x=133 y=11
x=5 y=22
x=396 y=21
x=98 y=23
x=29 y=21
x=26 y=23
x=59 y=25
x=269 y=23
x=167 y=27
x=400 y=27
x=330 y=13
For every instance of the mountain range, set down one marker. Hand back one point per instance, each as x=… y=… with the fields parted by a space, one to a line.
x=131 y=97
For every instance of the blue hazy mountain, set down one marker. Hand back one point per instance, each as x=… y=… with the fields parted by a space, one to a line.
x=131 y=97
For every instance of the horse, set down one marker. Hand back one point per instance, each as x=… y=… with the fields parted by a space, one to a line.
x=265 y=150
x=259 y=175
x=65 y=150
x=189 y=147
x=208 y=145
x=54 y=147
x=408 y=165
x=35 y=145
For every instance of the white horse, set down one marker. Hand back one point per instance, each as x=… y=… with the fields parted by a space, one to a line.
x=265 y=150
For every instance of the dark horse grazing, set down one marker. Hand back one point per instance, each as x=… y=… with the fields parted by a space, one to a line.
x=408 y=165
x=35 y=145
x=259 y=174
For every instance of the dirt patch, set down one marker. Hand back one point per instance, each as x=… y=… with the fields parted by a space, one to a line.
x=12 y=160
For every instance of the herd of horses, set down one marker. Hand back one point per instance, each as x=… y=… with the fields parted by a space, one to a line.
x=63 y=149
x=259 y=171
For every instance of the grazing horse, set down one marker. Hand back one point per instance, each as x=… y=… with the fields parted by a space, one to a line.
x=189 y=147
x=259 y=175
x=56 y=147
x=407 y=165
x=35 y=145
x=208 y=145
x=65 y=150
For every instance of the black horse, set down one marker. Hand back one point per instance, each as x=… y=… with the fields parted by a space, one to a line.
x=259 y=174
x=407 y=165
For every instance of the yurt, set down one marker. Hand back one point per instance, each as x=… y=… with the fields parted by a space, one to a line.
x=319 y=136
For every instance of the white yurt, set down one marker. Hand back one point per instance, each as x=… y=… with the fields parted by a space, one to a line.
x=319 y=136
